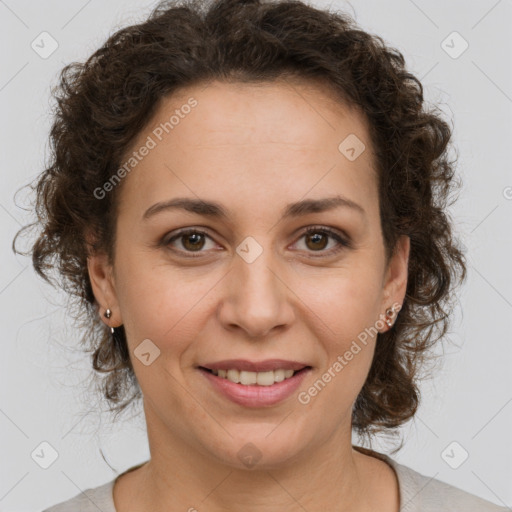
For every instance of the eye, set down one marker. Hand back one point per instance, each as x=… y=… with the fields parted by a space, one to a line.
x=190 y=240
x=317 y=239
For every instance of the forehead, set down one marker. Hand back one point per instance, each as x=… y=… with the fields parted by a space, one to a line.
x=232 y=139
x=280 y=112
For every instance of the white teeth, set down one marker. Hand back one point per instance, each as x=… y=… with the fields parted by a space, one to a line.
x=265 y=378
x=279 y=375
x=251 y=378
x=248 y=378
x=233 y=376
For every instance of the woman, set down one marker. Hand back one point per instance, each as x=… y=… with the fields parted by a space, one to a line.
x=249 y=202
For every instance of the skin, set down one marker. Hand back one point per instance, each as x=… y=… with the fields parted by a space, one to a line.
x=254 y=149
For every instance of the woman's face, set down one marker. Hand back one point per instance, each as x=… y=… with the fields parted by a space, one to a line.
x=250 y=284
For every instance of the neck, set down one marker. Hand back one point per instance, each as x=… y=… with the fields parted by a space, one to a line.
x=191 y=479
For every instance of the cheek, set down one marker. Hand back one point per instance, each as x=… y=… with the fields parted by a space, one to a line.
x=161 y=303
x=346 y=300
x=344 y=325
x=341 y=311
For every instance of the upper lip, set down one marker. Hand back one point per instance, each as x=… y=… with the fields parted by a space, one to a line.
x=255 y=366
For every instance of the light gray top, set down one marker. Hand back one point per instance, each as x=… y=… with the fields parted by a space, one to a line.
x=418 y=493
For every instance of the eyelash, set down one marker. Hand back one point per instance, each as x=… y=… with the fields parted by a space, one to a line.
x=343 y=242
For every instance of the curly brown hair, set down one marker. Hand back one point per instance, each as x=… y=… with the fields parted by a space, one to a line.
x=103 y=103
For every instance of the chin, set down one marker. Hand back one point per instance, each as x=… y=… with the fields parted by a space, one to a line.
x=260 y=449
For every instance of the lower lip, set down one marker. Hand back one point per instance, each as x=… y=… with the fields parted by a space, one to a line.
x=254 y=395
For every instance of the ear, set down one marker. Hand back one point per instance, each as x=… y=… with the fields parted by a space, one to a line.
x=102 y=280
x=395 y=278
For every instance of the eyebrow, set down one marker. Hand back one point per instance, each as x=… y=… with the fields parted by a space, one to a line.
x=216 y=210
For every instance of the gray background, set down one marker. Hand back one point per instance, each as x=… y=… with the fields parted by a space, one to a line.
x=45 y=376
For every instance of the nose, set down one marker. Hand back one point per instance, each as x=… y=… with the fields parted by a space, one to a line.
x=256 y=297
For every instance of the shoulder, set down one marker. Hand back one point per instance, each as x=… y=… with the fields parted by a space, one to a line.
x=90 y=500
x=420 y=493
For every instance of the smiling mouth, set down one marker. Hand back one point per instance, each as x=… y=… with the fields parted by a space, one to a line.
x=247 y=378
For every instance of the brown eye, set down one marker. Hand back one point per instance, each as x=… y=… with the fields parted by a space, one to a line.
x=317 y=240
x=188 y=241
x=193 y=241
